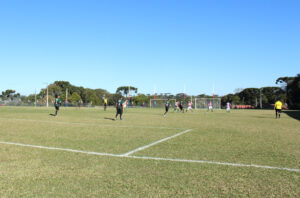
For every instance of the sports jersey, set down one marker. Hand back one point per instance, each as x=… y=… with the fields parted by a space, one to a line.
x=278 y=105
x=120 y=104
x=57 y=102
x=228 y=105
x=167 y=104
x=105 y=101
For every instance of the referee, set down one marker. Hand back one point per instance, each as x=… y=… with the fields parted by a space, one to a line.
x=278 y=107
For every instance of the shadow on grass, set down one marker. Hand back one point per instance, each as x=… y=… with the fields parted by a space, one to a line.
x=51 y=114
x=263 y=117
x=113 y=119
x=294 y=114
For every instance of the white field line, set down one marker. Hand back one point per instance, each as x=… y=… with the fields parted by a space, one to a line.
x=153 y=158
x=157 y=142
x=93 y=124
x=214 y=162
x=60 y=149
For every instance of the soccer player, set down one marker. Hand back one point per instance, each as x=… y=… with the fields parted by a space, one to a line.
x=228 y=107
x=125 y=104
x=181 y=107
x=176 y=106
x=119 y=107
x=190 y=104
x=105 y=104
x=167 y=105
x=57 y=104
x=210 y=107
x=277 y=107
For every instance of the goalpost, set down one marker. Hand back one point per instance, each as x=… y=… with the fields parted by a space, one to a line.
x=203 y=103
x=160 y=103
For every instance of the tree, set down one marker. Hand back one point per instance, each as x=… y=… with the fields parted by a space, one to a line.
x=125 y=90
x=293 y=93
x=75 y=98
x=249 y=96
x=91 y=97
x=232 y=98
x=141 y=99
x=101 y=94
x=179 y=97
x=272 y=94
x=52 y=90
x=284 y=80
x=202 y=96
x=10 y=94
x=113 y=98
x=50 y=99
x=30 y=98
x=291 y=86
x=238 y=90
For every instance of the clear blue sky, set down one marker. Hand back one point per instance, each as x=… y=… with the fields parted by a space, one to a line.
x=167 y=43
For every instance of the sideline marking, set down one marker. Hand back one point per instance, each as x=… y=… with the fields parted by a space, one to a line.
x=214 y=162
x=154 y=158
x=85 y=123
x=154 y=143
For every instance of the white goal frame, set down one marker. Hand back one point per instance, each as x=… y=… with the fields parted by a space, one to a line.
x=202 y=103
x=150 y=104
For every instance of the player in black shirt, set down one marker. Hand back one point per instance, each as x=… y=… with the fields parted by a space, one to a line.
x=57 y=104
x=167 y=105
x=181 y=107
x=119 y=107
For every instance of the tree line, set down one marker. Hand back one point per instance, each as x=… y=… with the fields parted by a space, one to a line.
x=288 y=92
x=264 y=97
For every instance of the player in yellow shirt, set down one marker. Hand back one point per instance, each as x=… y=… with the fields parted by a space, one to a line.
x=278 y=107
x=105 y=104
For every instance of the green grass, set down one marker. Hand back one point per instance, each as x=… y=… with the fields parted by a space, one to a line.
x=242 y=136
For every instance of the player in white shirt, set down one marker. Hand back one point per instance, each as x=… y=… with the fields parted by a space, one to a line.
x=190 y=106
x=125 y=104
x=176 y=106
x=210 y=106
x=228 y=107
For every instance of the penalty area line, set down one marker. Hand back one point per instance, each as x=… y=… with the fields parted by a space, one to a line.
x=152 y=158
x=214 y=162
x=157 y=142
x=59 y=149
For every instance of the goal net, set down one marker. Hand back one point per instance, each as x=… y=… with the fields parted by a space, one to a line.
x=160 y=103
x=203 y=103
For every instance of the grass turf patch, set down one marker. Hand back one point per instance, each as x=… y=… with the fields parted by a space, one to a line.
x=242 y=136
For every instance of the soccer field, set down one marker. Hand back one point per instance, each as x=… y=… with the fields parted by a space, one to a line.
x=83 y=152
